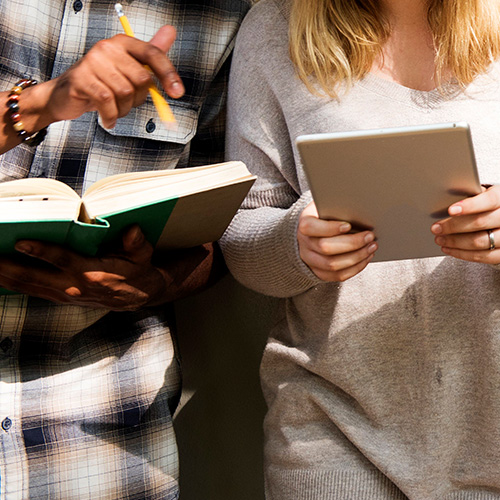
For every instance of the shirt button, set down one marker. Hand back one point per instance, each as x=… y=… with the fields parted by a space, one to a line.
x=150 y=126
x=6 y=344
x=6 y=424
x=77 y=5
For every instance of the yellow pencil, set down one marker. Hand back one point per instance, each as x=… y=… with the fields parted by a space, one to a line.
x=161 y=105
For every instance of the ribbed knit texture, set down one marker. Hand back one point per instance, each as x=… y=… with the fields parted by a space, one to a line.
x=325 y=485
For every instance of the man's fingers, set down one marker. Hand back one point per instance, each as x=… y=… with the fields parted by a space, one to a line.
x=14 y=285
x=164 y=38
x=170 y=79
x=484 y=256
x=155 y=58
x=58 y=256
x=135 y=245
x=102 y=99
x=21 y=277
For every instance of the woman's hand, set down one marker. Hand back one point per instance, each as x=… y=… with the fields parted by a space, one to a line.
x=466 y=233
x=330 y=252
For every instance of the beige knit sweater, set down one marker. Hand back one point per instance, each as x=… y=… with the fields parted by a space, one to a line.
x=386 y=386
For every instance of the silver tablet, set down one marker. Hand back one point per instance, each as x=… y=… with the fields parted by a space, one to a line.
x=396 y=181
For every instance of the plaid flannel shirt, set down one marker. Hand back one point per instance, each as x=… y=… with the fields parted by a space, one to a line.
x=86 y=396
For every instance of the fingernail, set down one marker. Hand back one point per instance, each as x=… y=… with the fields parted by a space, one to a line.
x=436 y=229
x=138 y=236
x=372 y=248
x=440 y=241
x=24 y=248
x=344 y=228
x=455 y=210
x=369 y=238
x=177 y=89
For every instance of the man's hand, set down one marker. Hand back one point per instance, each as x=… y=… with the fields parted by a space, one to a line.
x=125 y=280
x=110 y=79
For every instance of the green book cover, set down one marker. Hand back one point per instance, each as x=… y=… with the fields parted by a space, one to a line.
x=174 y=208
x=55 y=231
x=90 y=238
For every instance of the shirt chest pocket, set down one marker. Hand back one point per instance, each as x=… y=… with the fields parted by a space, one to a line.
x=140 y=141
x=144 y=122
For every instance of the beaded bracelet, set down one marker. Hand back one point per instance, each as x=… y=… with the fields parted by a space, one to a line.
x=15 y=117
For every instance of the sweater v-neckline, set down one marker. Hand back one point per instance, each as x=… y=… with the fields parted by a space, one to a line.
x=407 y=95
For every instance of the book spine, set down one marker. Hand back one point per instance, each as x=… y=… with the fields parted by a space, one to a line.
x=86 y=238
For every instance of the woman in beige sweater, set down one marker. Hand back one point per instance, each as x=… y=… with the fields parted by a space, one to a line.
x=382 y=378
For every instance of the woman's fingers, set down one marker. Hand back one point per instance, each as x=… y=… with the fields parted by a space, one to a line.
x=483 y=256
x=479 y=240
x=341 y=244
x=472 y=214
x=342 y=274
x=486 y=201
x=471 y=231
x=339 y=267
x=467 y=223
x=328 y=248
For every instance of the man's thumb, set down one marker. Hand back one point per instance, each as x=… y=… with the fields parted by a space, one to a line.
x=164 y=38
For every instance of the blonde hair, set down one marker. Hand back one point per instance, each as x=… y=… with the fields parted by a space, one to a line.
x=334 y=42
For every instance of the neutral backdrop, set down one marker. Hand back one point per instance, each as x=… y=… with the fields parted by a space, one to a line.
x=221 y=335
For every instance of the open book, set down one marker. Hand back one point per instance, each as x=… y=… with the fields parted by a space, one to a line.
x=175 y=208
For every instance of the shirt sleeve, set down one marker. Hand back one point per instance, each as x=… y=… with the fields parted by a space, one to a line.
x=260 y=245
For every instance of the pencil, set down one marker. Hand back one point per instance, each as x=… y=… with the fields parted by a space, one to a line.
x=159 y=102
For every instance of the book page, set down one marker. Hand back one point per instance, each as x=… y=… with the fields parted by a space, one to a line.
x=125 y=191
x=36 y=187
x=115 y=183
x=37 y=199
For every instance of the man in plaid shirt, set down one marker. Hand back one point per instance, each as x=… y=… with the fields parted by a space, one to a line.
x=89 y=376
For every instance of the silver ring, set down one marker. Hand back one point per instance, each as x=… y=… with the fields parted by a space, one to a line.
x=491 y=237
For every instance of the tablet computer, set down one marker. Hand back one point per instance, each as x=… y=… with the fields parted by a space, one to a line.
x=396 y=181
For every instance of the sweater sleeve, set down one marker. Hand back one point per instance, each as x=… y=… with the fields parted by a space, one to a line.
x=260 y=245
